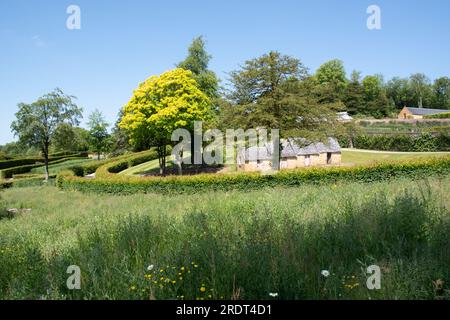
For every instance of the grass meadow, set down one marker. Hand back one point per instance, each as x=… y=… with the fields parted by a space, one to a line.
x=230 y=245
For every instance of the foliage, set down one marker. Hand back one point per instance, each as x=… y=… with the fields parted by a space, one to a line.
x=68 y=137
x=444 y=115
x=161 y=105
x=332 y=73
x=197 y=62
x=425 y=142
x=119 y=184
x=98 y=131
x=6 y=164
x=37 y=123
x=10 y=172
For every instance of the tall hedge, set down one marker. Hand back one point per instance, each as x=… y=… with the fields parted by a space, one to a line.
x=118 y=184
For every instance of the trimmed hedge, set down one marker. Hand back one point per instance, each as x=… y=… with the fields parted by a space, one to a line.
x=424 y=143
x=444 y=115
x=6 y=164
x=117 y=184
x=4 y=184
x=125 y=163
x=10 y=172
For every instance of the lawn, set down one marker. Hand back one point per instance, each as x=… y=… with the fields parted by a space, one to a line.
x=222 y=245
x=350 y=156
x=147 y=167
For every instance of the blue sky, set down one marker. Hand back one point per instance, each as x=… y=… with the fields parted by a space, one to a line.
x=121 y=43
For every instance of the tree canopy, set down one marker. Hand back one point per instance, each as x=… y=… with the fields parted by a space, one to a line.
x=36 y=123
x=162 y=104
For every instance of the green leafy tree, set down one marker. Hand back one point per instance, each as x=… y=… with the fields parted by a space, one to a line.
x=332 y=73
x=441 y=93
x=273 y=91
x=161 y=105
x=197 y=62
x=400 y=92
x=36 y=123
x=420 y=85
x=376 y=102
x=70 y=138
x=354 y=94
x=98 y=131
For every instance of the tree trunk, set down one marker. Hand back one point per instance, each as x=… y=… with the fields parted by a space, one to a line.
x=98 y=155
x=162 y=159
x=46 y=160
x=180 y=164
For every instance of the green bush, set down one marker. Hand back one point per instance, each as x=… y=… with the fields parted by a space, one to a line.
x=116 y=184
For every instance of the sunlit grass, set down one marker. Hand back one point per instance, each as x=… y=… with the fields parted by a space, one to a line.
x=229 y=244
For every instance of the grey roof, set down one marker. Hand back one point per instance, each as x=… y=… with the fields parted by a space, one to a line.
x=425 y=111
x=290 y=148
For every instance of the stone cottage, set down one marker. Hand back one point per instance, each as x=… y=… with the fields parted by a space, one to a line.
x=295 y=153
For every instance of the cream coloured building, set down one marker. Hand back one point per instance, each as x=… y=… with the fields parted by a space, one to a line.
x=292 y=155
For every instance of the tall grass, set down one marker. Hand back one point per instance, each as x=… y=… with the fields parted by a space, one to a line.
x=223 y=245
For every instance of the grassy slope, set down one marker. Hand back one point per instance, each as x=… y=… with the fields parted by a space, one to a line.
x=56 y=168
x=264 y=241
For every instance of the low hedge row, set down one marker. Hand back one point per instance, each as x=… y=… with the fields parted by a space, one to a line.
x=444 y=115
x=10 y=172
x=91 y=167
x=4 y=184
x=117 y=184
x=6 y=164
x=425 y=142
x=126 y=162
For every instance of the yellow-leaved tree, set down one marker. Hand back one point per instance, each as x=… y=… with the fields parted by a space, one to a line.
x=162 y=104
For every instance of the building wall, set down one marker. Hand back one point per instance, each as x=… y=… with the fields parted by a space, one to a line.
x=405 y=114
x=291 y=163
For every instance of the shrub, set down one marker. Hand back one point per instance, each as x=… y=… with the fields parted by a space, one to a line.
x=117 y=184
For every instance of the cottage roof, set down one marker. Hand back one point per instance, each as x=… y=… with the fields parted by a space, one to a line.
x=425 y=111
x=290 y=148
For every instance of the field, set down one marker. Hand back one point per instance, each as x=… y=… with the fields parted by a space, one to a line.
x=230 y=245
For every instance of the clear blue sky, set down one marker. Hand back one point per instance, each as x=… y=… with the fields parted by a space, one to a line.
x=121 y=43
